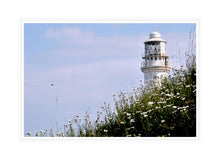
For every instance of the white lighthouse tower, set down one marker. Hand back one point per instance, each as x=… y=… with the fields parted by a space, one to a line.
x=155 y=62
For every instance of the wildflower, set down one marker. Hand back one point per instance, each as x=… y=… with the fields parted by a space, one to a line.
x=183 y=98
x=132 y=127
x=145 y=115
x=105 y=130
x=157 y=107
x=132 y=120
x=28 y=133
x=162 y=121
x=138 y=111
x=168 y=95
x=163 y=102
x=41 y=131
x=150 y=103
x=128 y=114
x=174 y=106
x=36 y=134
x=122 y=122
x=174 y=111
x=187 y=86
x=177 y=94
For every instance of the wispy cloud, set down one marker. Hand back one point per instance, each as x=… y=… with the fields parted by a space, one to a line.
x=75 y=35
x=82 y=43
x=79 y=42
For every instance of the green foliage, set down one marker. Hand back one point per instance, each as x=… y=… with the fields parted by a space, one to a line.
x=165 y=110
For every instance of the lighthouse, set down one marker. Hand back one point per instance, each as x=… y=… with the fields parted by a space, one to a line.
x=155 y=62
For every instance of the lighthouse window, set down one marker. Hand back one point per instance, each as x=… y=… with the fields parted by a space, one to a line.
x=155 y=58
x=159 y=58
x=151 y=58
x=148 y=58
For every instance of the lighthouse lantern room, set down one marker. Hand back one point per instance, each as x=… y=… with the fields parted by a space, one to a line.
x=155 y=63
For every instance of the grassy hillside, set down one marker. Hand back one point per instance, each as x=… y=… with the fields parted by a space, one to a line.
x=167 y=109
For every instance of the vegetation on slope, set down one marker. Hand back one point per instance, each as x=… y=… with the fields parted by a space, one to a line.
x=165 y=109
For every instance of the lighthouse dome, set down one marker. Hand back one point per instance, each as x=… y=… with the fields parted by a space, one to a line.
x=155 y=35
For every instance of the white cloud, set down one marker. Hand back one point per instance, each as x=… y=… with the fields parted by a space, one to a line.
x=97 y=52
x=79 y=42
x=75 y=35
x=71 y=35
x=88 y=44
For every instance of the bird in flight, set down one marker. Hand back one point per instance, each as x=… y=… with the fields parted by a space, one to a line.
x=52 y=84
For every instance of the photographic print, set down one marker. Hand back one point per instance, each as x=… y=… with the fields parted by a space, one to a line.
x=109 y=79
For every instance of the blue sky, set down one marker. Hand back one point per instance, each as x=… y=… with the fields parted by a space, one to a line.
x=87 y=63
